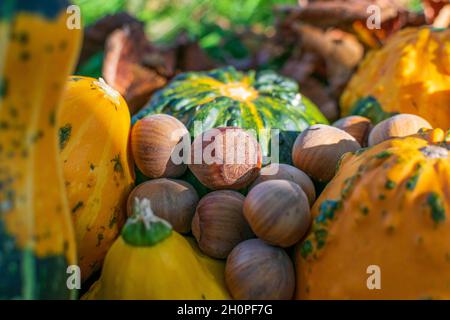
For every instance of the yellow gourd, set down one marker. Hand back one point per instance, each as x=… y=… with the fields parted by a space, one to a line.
x=94 y=127
x=409 y=74
x=384 y=215
x=37 y=52
x=150 y=261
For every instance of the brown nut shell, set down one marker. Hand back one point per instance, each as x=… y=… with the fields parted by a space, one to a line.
x=357 y=126
x=400 y=125
x=225 y=158
x=170 y=199
x=219 y=224
x=256 y=270
x=281 y=171
x=153 y=144
x=318 y=149
x=278 y=212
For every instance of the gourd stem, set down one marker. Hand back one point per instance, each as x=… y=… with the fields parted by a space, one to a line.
x=110 y=93
x=144 y=228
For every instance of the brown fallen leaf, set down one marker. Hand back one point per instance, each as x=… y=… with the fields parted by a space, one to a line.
x=162 y=60
x=123 y=69
x=442 y=20
x=432 y=8
x=341 y=52
x=124 y=48
x=302 y=67
x=95 y=35
x=320 y=95
x=191 y=57
x=146 y=82
x=353 y=16
x=334 y=44
x=375 y=38
x=340 y=13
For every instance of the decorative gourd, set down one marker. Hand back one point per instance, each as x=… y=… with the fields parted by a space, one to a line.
x=37 y=52
x=150 y=261
x=387 y=207
x=226 y=97
x=410 y=74
x=94 y=125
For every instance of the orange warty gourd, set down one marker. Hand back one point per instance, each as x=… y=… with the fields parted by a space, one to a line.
x=410 y=74
x=94 y=126
x=387 y=207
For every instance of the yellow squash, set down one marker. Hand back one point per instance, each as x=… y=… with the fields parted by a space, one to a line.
x=410 y=74
x=94 y=126
x=381 y=227
x=37 y=52
x=150 y=261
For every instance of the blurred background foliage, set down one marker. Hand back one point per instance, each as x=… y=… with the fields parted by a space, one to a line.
x=209 y=22
x=415 y=5
x=165 y=19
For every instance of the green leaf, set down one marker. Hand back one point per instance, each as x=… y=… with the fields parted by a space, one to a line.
x=93 y=10
x=92 y=67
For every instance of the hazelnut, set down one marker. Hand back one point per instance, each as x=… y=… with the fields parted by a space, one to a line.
x=153 y=142
x=400 y=125
x=280 y=171
x=278 y=212
x=170 y=199
x=256 y=270
x=219 y=223
x=317 y=150
x=225 y=158
x=357 y=126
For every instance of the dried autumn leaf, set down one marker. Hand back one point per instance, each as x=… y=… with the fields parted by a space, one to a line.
x=432 y=8
x=341 y=52
x=163 y=61
x=321 y=96
x=146 y=82
x=123 y=69
x=191 y=57
x=357 y=16
x=375 y=38
x=341 y=13
x=301 y=68
x=442 y=20
x=124 y=48
x=95 y=35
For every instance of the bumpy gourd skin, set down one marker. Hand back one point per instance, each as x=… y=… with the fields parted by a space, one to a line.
x=94 y=126
x=410 y=74
x=387 y=206
x=37 y=52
